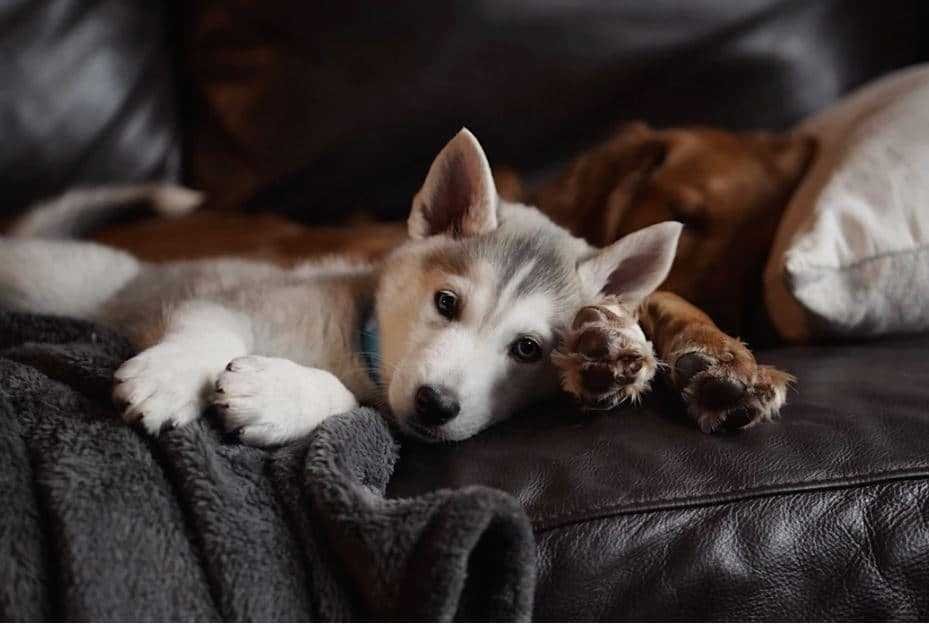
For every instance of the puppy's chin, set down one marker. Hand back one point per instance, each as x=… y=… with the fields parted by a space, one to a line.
x=430 y=435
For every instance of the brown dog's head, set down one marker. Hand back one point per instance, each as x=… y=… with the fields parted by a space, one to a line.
x=729 y=189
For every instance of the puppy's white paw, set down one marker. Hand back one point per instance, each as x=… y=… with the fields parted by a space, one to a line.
x=167 y=384
x=273 y=400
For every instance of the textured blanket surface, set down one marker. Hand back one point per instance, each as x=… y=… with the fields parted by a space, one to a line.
x=101 y=522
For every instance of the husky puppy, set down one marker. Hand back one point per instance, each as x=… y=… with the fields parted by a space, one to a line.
x=453 y=332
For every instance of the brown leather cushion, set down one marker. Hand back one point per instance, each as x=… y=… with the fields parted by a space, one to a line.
x=639 y=515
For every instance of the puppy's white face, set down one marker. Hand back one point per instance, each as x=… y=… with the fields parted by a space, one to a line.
x=463 y=346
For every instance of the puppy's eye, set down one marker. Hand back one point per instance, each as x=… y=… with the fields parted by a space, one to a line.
x=526 y=350
x=446 y=303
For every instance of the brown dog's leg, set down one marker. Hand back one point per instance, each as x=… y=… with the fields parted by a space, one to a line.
x=716 y=374
x=605 y=359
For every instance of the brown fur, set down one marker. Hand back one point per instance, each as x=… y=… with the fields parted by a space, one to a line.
x=268 y=237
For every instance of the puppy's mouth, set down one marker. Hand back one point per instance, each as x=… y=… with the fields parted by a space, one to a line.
x=425 y=433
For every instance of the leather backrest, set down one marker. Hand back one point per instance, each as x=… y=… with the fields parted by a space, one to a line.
x=336 y=108
x=86 y=96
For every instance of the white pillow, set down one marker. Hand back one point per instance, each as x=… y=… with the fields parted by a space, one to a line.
x=851 y=254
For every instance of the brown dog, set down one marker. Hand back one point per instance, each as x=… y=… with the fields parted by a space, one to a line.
x=729 y=189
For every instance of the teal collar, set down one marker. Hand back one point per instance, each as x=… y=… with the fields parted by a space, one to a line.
x=370 y=341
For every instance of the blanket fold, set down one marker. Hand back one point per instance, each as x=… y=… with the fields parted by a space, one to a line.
x=103 y=522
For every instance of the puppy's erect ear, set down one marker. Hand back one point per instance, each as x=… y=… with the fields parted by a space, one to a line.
x=635 y=265
x=458 y=197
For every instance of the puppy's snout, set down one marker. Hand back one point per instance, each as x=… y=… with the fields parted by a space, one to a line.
x=435 y=405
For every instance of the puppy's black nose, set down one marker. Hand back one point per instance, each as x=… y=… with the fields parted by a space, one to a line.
x=435 y=405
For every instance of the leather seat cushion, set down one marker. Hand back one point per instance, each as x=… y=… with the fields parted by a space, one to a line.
x=638 y=515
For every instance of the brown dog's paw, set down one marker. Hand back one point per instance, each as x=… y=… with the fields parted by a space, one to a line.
x=604 y=357
x=726 y=389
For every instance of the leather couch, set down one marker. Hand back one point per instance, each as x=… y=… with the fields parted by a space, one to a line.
x=820 y=516
x=320 y=113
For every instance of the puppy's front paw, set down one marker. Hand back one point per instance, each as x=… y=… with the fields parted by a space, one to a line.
x=724 y=388
x=604 y=357
x=166 y=385
x=273 y=400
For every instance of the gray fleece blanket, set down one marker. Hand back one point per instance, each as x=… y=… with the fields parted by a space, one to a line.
x=101 y=522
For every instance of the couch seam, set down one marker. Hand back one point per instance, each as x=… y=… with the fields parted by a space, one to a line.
x=558 y=520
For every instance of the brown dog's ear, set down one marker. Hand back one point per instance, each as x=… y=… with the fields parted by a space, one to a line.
x=636 y=168
x=636 y=129
x=591 y=197
x=789 y=155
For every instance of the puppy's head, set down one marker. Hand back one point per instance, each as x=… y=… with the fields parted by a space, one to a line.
x=728 y=188
x=471 y=308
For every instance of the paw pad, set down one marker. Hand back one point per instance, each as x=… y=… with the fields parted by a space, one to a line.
x=720 y=392
x=605 y=358
x=727 y=393
x=593 y=343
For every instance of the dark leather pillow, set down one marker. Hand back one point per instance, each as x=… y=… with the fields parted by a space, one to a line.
x=87 y=96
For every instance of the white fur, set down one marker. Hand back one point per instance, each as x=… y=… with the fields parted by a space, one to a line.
x=69 y=214
x=273 y=400
x=66 y=278
x=470 y=355
x=172 y=381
